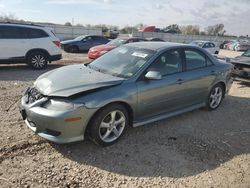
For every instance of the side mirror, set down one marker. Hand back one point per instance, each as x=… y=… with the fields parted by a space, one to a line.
x=153 y=75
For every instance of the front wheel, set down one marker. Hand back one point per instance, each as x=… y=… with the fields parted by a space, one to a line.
x=215 y=97
x=108 y=125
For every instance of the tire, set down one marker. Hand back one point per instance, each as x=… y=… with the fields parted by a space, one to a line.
x=37 y=60
x=73 y=49
x=108 y=125
x=215 y=97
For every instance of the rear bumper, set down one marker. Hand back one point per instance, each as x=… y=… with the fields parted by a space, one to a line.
x=55 y=57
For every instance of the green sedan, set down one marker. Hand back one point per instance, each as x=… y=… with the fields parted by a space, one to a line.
x=132 y=85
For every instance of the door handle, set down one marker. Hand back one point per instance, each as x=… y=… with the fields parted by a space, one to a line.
x=179 y=81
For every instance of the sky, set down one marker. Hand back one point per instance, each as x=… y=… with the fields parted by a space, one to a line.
x=234 y=14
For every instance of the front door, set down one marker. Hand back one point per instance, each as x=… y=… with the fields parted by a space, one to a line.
x=165 y=95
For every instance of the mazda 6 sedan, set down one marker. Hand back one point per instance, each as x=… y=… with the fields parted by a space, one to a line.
x=132 y=85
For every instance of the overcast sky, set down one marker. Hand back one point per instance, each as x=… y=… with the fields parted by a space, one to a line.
x=234 y=14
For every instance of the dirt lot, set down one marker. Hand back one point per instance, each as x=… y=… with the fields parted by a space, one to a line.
x=196 y=149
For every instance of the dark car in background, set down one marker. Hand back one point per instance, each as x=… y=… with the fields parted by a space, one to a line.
x=155 y=39
x=99 y=50
x=242 y=66
x=83 y=43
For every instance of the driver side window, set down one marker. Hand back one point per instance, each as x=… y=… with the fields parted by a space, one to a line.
x=169 y=62
x=87 y=39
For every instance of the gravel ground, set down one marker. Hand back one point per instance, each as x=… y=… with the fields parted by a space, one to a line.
x=196 y=149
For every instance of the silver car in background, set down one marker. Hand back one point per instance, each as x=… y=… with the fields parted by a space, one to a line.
x=132 y=85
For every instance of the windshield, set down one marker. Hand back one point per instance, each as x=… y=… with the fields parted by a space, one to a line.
x=197 y=43
x=246 y=53
x=117 y=42
x=79 y=38
x=122 y=62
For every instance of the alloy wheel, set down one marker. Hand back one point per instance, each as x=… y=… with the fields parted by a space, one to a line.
x=38 y=61
x=112 y=126
x=215 y=97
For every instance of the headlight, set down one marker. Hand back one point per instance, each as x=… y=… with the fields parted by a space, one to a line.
x=60 y=105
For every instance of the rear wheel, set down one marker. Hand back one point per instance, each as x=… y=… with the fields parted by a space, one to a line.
x=108 y=125
x=38 y=60
x=215 y=97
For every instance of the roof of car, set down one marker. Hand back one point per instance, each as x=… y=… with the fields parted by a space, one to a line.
x=126 y=38
x=202 y=41
x=21 y=24
x=155 y=45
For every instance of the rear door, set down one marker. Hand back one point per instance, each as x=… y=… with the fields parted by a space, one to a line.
x=97 y=41
x=14 y=42
x=86 y=43
x=199 y=74
x=165 y=95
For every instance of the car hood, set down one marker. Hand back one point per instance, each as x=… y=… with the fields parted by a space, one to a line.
x=241 y=60
x=73 y=79
x=68 y=41
x=103 y=47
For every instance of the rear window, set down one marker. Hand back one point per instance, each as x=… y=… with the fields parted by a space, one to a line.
x=36 y=33
x=194 y=60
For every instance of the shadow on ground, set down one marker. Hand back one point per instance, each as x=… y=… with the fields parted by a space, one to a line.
x=181 y=146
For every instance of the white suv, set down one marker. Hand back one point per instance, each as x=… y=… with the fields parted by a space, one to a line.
x=207 y=45
x=26 y=43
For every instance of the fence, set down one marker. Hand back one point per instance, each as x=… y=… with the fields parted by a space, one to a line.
x=180 y=38
x=70 y=32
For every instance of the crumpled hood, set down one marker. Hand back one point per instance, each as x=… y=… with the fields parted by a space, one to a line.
x=241 y=60
x=73 y=79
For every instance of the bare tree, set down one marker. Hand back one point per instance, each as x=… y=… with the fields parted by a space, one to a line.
x=9 y=18
x=215 y=29
x=190 y=30
x=68 y=24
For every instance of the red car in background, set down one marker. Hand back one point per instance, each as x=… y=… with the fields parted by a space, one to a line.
x=99 y=50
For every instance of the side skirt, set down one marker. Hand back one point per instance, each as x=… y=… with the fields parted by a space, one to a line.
x=167 y=115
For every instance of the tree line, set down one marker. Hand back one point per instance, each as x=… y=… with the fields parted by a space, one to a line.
x=217 y=29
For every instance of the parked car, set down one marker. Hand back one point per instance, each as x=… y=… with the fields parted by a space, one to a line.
x=242 y=46
x=99 y=50
x=26 y=43
x=222 y=45
x=83 y=43
x=207 y=45
x=231 y=45
x=111 y=34
x=242 y=66
x=155 y=39
x=132 y=85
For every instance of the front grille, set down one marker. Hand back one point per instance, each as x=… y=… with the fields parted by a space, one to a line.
x=33 y=95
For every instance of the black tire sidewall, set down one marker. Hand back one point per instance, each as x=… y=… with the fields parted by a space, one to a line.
x=93 y=129
x=208 y=98
x=34 y=54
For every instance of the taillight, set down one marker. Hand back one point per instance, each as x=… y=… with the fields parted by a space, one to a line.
x=57 y=43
